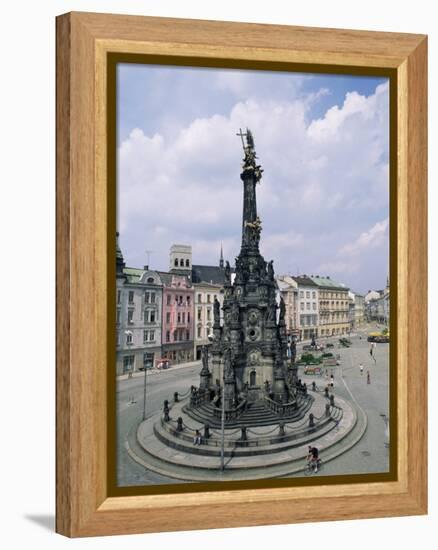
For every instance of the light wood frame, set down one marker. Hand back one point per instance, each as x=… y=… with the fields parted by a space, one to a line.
x=83 y=42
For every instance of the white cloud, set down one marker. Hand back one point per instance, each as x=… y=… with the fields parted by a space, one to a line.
x=323 y=179
x=376 y=236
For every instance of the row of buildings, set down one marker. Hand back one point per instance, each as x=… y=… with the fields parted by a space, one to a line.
x=377 y=305
x=170 y=314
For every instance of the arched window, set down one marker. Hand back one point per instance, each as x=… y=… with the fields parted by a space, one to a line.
x=150 y=280
x=181 y=263
x=252 y=378
x=176 y=262
x=187 y=263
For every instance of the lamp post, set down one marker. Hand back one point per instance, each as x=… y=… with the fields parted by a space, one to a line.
x=144 y=392
x=223 y=422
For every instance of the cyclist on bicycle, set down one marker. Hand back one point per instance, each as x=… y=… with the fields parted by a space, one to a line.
x=313 y=458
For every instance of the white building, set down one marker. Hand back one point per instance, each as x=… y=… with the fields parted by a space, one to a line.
x=138 y=317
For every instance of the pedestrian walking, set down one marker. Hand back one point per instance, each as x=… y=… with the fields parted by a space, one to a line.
x=197 y=438
x=368 y=377
x=361 y=369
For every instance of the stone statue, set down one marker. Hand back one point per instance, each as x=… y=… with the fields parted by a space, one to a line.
x=204 y=357
x=271 y=270
x=234 y=312
x=282 y=309
x=216 y=312
x=228 y=369
x=255 y=226
x=227 y=272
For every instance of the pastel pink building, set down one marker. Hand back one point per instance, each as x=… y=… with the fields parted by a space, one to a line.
x=177 y=318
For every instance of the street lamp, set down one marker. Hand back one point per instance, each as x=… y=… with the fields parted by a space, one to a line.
x=211 y=339
x=144 y=392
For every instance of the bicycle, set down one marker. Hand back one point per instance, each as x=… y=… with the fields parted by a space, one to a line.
x=309 y=467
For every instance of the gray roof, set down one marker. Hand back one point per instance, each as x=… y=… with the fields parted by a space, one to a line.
x=208 y=274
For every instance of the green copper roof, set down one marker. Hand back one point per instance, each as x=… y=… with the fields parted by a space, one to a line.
x=133 y=273
x=327 y=282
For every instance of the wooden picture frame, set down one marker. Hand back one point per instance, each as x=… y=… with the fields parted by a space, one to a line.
x=85 y=42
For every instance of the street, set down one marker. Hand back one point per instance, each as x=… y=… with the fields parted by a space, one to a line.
x=368 y=456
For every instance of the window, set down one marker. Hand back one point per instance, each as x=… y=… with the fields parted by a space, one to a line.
x=152 y=297
x=180 y=300
x=167 y=336
x=313 y=294
x=147 y=297
x=183 y=317
x=215 y=297
x=199 y=332
x=307 y=293
x=152 y=317
x=187 y=335
x=199 y=313
x=208 y=299
x=301 y=294
x=188 y=300
x=131 y=297
x=181 y=263
x=152 y=335
x=168 y=299
x=130 y=315
x=119 y=296
x=150 y=279
x=199 y=298
x=176 y=262
x=176 y=299
x=314 y=306
x=179 y=317
x=308 y=305
x=148 y=360
x=208 y=314
x=187 y=263
x=129 y=338
x=175 y=336
x=118 y=316
x=145 y=336
x=128 y=363
x=188 y=316
x=168 y=317
x=302 y=306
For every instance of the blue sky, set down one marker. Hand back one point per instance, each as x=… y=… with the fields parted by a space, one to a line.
x=321 y=139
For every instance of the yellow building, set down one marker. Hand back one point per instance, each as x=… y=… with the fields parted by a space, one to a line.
x=334 y=304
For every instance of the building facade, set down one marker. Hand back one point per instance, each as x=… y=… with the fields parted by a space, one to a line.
x=359 y=310
x=138 y=317
x=308 y=307
x=205 y=295
x=334 y=307
x=177 y=318
x=288 y=289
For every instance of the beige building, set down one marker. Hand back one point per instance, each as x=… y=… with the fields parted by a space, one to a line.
x=205 y=294
x=334 y=307
x=288 y=289
x=307 y=307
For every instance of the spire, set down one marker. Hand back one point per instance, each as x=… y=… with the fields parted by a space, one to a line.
x=120 y=262
x=221 y=261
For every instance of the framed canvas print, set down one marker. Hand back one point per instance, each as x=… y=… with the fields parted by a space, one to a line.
x=241 y=276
